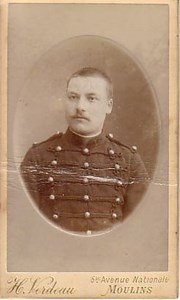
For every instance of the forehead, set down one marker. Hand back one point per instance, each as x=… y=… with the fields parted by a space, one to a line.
x=87 y=84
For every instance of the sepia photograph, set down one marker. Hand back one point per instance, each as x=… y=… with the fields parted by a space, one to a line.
x=86 y=180
x=89 y=155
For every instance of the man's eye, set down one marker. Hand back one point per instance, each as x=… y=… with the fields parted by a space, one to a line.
x=92 y=98
x=72 y=97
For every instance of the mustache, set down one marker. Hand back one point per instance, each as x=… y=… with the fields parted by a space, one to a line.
x=80 y=116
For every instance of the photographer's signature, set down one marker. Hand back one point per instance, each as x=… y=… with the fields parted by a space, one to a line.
x=43 y=286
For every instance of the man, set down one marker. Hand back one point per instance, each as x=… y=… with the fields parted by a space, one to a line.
x=82 y=180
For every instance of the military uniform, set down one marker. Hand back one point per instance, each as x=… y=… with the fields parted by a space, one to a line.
x=81 y=185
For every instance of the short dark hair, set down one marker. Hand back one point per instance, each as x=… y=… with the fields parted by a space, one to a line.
x=93 y=72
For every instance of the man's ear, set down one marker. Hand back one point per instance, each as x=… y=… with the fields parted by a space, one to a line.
x=109 y=105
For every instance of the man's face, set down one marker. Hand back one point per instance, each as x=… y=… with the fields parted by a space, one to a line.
x=87 y=104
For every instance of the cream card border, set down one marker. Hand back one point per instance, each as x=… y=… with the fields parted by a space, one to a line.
x=82 y=285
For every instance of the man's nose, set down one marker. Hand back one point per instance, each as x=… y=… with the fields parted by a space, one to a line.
x=81 y=105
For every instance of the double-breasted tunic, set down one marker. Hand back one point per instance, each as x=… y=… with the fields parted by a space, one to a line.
x=83 y=185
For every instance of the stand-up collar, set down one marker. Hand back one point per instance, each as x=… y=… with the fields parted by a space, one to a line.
x=76 y=140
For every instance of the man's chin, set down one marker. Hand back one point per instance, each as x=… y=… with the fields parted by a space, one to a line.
x=80 y=130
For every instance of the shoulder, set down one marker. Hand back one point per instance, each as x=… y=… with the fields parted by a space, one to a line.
x=39 y=148
x=122 y=146
x=131 y=154
x=43 y=144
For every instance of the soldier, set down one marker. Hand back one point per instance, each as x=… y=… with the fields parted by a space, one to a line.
x=82 y=180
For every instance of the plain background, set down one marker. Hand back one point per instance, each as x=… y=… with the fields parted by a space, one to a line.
x=36 y=34
x=134 y=119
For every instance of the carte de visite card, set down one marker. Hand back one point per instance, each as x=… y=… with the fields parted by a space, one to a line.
x=89 y=149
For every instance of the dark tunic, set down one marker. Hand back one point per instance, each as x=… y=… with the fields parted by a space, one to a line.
x=84 y=186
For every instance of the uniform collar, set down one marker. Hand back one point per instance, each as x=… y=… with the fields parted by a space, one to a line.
x=76 y=140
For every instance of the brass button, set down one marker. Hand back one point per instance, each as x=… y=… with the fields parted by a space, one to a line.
x=50 y=179
x=110 y=135
x=85 y=180
x=111 y=152
x=86 y=197
x=118 y=200
x=88 y=232
x=87 y=214
x=114 y=216
x=58 y=148
x=86 y=151
x=134 y=148
x=54 y=162
x=117 y=166
x=55 y=216
x=51 y=197
x=86 y=165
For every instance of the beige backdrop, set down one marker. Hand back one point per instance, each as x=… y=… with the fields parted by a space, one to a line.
x=36 y=33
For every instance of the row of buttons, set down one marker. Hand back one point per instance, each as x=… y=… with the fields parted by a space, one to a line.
x=86 y=165
x=86 y=150
x=87 y=215
x=86 y=180
x=86 y=198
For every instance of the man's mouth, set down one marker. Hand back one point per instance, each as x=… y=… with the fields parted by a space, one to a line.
x=80 y=118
